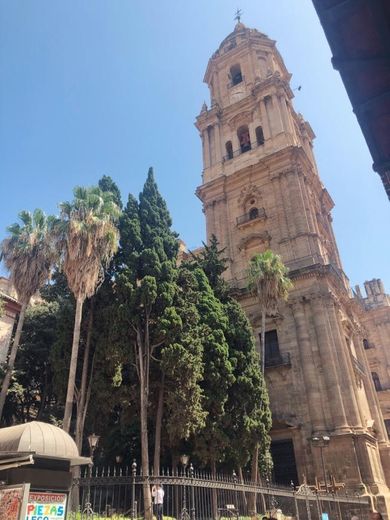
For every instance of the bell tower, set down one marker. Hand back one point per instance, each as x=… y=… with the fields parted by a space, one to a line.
x=261 y=190
x=255 y=143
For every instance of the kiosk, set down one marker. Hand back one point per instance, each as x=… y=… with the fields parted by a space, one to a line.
x=36 y=461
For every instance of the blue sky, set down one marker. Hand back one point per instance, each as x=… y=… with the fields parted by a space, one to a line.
x=113 y=86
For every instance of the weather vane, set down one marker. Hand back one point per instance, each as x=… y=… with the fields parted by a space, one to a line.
x=238 y=15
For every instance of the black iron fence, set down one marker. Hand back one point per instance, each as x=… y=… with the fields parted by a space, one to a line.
x=116 y=493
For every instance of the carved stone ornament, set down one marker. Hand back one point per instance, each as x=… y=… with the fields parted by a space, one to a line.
x=244 y=118
x=260 y=238
x=246 y=193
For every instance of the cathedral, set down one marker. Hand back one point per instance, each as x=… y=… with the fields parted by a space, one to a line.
x=327 y=350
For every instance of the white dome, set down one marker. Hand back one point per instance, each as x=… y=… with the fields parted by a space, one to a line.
x=41 y=438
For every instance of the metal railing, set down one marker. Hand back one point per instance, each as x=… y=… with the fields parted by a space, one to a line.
x=118 y=494
x=240 y=151
x=277 y=361
x=248 y=217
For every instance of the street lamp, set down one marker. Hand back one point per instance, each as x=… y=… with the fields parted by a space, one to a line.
x=184 y=459
x=322 y=442
x=93 y=441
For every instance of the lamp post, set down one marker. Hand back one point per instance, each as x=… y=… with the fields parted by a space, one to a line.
x=322 y=442
x=184 y=462
x=93 y=441
x=133 y=475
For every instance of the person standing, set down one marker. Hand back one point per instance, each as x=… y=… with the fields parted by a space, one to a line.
x=158 y=499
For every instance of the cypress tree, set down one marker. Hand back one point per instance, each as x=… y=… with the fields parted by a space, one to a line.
x=146 y=285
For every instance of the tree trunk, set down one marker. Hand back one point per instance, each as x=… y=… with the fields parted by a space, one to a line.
x=157 y=436
x=12 y=357
x=144 y=398
x=241 y=479
x=73 y=365
x=262 y=347
x=43 y=398
x=254 y=477
x=82 y=401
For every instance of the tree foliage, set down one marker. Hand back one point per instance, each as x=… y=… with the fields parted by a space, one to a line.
x=268 y=281
x=164 y=358
x=28 y=254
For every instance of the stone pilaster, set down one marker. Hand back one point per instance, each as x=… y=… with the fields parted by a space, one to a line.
x=309 y=370
x=345 y=367
x=264 y=120
x=329 y=364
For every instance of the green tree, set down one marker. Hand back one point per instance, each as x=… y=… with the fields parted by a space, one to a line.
x=28 y=254
x=146 y=286
x=247 y=414
x=182 y=363
x=95 y=328
x=87 y=238
x=108 y=185
x=211 y=442
x=268 y=281
x=248 y=404
x=33 y=372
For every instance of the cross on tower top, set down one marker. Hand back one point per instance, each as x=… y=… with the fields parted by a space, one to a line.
x=238 y=14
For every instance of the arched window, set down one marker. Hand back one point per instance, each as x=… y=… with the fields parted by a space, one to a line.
x=376 y=380
x=253 y=213
x=259 y=136
x=244 y=138
x=235 y=74
x=229 y=150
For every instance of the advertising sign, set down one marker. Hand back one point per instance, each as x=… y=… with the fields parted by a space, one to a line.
x=13 y=502
x=46 y=506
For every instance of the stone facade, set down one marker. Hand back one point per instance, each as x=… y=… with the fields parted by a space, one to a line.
x=261 y=189
x=11 y=309
x=375 y=317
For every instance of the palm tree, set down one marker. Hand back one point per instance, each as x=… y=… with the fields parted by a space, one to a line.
x=268 y=281
x=88 y=239
x=28 y=254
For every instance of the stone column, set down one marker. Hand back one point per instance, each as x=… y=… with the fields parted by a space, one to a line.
x=282 y=219
x=218 y=145
x=348 y=385
x=372 y=397
x=329 y=363
x=236 y=144
x=290 y=210
x=206 y=149
x=287 y=116
x=313 y=394
x=277 y=116
x=252 y=135
x=295 y=196
x=264 y=121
